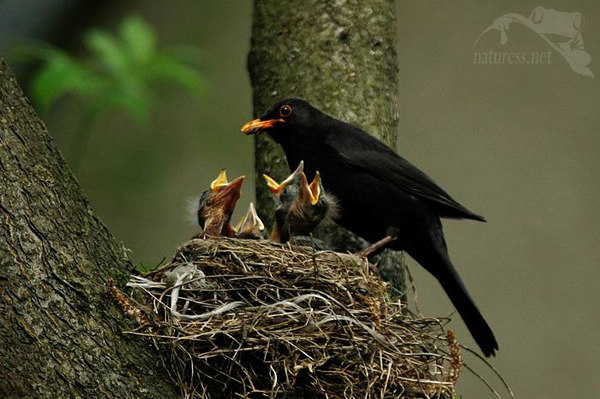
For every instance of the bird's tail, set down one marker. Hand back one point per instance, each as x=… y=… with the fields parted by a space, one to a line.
x=438 y=263
x=478 y=327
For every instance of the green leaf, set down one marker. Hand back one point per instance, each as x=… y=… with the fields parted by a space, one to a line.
x=139 y=39
x=118 y=73
x=60 y=75
x=107 y=50
x=169 y=69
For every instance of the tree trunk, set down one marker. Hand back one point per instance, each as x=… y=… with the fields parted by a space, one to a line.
x=341 y=57
x=61 y=333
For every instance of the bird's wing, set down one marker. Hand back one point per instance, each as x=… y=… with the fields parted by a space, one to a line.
x=376 y=159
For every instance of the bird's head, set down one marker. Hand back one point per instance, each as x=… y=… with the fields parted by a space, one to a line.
x=218 y=202
x=286 y=115
x=226 y=194
x=295 y=188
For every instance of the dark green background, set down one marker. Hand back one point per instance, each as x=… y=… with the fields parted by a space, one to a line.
x=517 y=143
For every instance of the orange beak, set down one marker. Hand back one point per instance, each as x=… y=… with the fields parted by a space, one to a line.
x=274 y=187
x=277 y=188
x=256 y=125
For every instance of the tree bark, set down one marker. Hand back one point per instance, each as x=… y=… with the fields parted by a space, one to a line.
x=341 y=57
x=61 y=332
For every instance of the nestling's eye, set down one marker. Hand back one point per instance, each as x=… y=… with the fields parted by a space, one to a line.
x=285 y=111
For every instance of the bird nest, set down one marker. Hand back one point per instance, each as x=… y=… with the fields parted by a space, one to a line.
x=257 y=319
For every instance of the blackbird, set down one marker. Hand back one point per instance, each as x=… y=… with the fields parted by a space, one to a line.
x=216 y=205
x=377 y=190
x=299 y=206
x=251 y=227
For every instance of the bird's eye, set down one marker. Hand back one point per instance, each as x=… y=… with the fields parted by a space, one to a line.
x=285 y=111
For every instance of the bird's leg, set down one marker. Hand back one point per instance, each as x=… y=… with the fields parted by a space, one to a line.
x=392 y=234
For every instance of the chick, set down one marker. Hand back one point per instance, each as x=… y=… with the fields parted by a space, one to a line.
x=299 y=206
x=216 y=205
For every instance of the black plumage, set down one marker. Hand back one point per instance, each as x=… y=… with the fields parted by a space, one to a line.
x=377 y=189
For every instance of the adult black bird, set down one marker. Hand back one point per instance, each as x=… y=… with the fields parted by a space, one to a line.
x=377 y=190
x=216 y=205
x=299 y=207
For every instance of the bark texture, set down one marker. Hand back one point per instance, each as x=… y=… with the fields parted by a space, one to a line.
x=340 y=56
x=60 y=331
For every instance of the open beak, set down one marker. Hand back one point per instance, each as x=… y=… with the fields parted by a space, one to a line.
x=311 y=192
x=229 y=194
x=314 y=188
x=220 y=182
x=274 y=187
x=256 y=125
x=277 y=188
x=250 y=222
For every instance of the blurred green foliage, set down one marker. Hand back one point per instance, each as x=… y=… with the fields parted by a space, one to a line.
x=120 y=72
